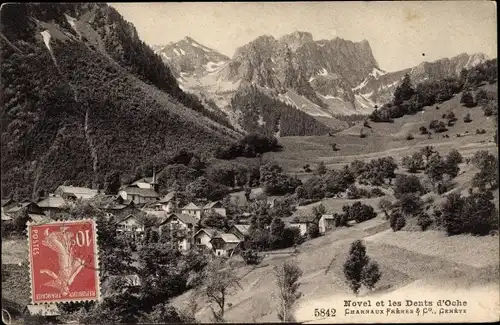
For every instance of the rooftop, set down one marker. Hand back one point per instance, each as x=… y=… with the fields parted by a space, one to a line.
x=191 y=206
x=80 y=192
x=228 y=238
x=52 y=202
x=185 y=218
x=244 y=229
x=144 y=192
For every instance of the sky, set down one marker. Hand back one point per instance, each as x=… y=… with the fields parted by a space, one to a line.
x=401 y=34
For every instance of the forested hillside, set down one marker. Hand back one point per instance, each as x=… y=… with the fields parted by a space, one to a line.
x=83 y=98
x=260 y=113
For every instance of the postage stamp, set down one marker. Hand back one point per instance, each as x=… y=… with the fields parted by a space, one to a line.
x=64 y=261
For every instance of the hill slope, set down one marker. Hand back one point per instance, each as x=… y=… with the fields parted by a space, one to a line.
x=84 y=97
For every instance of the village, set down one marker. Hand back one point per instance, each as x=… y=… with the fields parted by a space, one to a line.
x=141 y=198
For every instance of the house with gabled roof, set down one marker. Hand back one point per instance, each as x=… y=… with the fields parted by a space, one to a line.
x=8 y=203
x=326 y=223
x=53 y=205
x=130 y=225
x=301 y=222
x=192 y=210
x=138 y=195
x=75 y=192
x=216 y=207
x=225 y=244
x=240 y=230
x=203 y=237
x=183 y=225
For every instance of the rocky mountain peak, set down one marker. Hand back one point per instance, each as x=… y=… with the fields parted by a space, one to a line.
x=296 y=39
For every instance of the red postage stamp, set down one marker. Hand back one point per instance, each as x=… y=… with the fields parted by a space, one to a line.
x=64 y=261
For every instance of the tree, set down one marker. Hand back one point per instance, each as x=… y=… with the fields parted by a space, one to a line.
x=356 y=262
x=313 y=231
x=274 y=181
x=287 y=281
x=467 y=118
x=277 y=234
x=334 y=147
x=488 y=170
x=370 y=275
x=410 y=204
x=219 y=282
x=482 y=97
x=435 y=169
x=215 y=220
x=414 y=162
x=164 y=313
x=397 y=221
x=475 y=214
x=405 y=184
x=423 y=130
x=454 y=157
x=404 y=91
x=427 y=151
x=359 y=212
x=409 y=137
x=318 y=211
x=321 y=170
x=434 y=124
x=251 y=257
x=113 y=183
x=424 y=221
x=467 y=99
x=385 y=205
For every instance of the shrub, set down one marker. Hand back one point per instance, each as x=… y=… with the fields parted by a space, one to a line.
x=313 y=231
x=397 y=221
x=414 y=163
x=376 y=192
x=433 y=125
x=359 y=212
x=423 y=130
x=251 y=257
x=467 y=118
x=467 y=99
x=424 y=221
x=405 y=184
x=409 y=137
x=475 y=214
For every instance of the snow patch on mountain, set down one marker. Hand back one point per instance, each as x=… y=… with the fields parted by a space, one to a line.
x=177 y=52
x=182 y=51
x=361 y=85
x=46 y=39
x=377 y=73
x=323 y=72
x=214 y=66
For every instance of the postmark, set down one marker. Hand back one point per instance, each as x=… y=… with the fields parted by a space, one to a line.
x=64 y=261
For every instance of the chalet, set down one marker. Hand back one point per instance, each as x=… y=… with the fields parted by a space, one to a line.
x=74 y=192
x=168 y=202
x=302 y=223
x=326 y=223
x=192 y=210
x=215 y=207
x=25 y=206
x=225 y=244
x=178 y=221
x=49 y=311
x=184 y=226
x=240 y=230
x=131 y=225
x=138 y=195
x=203 y=237
x=8 y=203
x=119 y=211
x=53 y=205
x=131 y=280
x=145 y=182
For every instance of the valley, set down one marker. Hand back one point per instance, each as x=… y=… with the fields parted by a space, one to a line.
x=271 y=185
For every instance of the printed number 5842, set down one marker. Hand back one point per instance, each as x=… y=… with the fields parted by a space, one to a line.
x=324 y=312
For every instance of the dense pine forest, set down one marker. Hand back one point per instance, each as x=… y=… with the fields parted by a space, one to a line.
x=263 y=114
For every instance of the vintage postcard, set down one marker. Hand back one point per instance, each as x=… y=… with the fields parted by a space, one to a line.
x=295 y=162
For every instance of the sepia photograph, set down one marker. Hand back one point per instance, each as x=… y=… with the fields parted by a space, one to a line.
x=249 y=162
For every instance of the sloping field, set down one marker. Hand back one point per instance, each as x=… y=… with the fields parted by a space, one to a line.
x=407 y=258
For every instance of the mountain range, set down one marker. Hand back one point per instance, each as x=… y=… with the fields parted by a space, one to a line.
x=323 y=78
